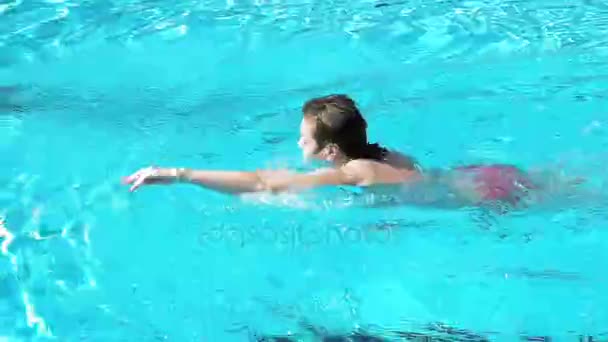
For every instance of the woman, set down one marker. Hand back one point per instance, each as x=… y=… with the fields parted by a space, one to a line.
x=333 y=130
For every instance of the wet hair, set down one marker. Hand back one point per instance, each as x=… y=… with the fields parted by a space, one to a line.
x=339 y=121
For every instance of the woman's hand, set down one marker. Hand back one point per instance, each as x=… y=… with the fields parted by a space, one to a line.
x=149 y=175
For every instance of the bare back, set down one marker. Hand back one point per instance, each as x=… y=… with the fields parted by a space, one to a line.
x=396 y=169
x=401 y=161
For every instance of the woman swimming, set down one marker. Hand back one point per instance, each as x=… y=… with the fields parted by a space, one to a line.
x=334 y=131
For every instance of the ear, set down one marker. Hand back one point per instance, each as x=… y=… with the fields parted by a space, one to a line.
x=331 y=151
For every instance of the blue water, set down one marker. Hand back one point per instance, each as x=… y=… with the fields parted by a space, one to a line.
x=90 y=91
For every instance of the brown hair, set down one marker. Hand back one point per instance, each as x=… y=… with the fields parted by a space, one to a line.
x=339 y=121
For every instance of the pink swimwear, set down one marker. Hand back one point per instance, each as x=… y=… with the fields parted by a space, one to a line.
x=499 y=182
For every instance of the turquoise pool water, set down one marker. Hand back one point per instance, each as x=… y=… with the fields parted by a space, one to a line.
x=91 y=91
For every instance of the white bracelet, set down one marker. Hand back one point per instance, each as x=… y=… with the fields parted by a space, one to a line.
x=180 y=174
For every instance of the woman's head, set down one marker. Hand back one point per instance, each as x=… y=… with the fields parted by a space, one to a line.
x=333 y=129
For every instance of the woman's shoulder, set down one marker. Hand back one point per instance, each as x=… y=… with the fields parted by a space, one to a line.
x=370 y=172
x=402 y=161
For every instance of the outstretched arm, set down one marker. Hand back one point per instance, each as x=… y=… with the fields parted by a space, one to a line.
x=240 y=181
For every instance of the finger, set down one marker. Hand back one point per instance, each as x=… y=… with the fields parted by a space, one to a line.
x=136 y=184
x=138 y=174
x=130 y=179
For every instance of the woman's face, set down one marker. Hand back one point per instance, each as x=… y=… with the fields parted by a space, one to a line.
x=307 y=142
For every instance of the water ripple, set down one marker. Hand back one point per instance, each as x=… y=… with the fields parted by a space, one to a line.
x=46 y=246
x=45 y=242
x=442 y=29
